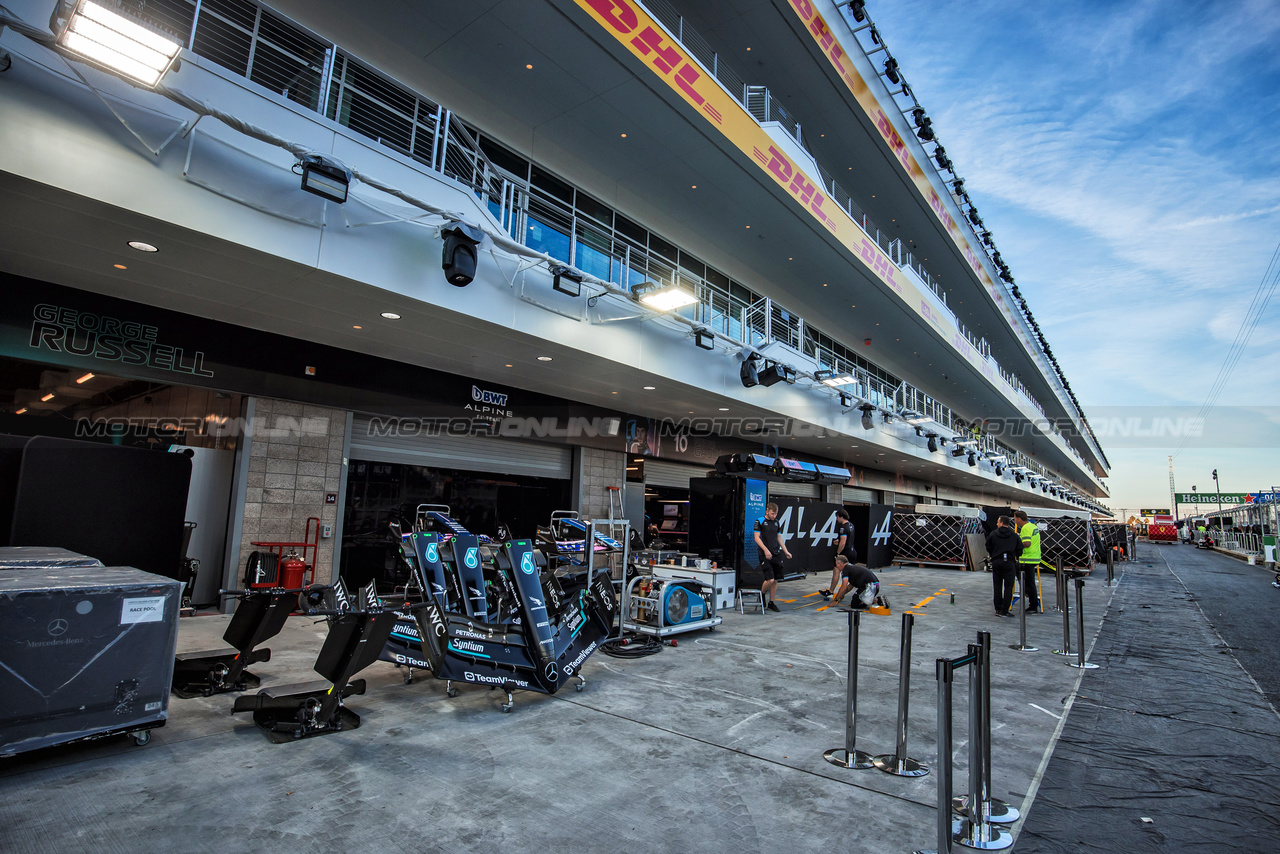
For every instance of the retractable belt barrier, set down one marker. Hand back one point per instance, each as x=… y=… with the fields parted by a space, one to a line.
x=898 y=763
x=1080 y=662
x=980 y=815
x=1064 y=605
x=1021 y=645
x=849 y=756
x=1111 y=566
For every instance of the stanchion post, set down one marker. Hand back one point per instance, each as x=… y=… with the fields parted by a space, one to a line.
x=1066 y=612
x=1080 y=662
x=1021 y=645
x=849 y=756
x=1111 y=566
x=1060 y=591
x=945 y=673
x=898 y=763
x=996 y=810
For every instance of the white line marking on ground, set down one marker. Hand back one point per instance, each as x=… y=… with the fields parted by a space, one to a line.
x=1046 y=711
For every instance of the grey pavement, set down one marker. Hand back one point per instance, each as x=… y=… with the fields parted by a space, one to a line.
x=713 y=745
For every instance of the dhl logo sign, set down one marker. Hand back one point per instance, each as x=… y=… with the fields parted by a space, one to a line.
x=830 y=47
x=646 y=39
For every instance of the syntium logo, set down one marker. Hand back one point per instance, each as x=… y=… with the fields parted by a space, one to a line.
x=526 y=563
x=433 y=553
x=472 y=558
x=880 y=536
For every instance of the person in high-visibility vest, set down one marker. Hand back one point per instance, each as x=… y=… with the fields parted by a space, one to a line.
x=1028 y=560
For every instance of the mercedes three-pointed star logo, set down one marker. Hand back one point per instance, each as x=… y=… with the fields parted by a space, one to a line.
x=59 y=627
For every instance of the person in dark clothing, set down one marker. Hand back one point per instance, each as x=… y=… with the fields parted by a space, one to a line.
x=859 y=580
x=770 y=541
x=844 y=546
x=1004 y=546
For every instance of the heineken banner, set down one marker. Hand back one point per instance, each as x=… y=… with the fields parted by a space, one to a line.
x=1226 y=499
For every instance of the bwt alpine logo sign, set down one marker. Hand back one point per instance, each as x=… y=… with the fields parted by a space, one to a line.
x=880 y=536
x=480 y=395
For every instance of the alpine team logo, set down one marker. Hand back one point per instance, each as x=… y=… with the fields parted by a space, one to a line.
x=880 y=536
x=472 y=558
x=433 y=553
x=526 y=563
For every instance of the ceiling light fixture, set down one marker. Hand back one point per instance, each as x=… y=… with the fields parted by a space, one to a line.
x=663 y=298
x=121 y=43
x=142 y=247
x=85 y=378
x=20 y=411
x=390 y=315
x=48 y=397
x=544 y=358
x=458 y=258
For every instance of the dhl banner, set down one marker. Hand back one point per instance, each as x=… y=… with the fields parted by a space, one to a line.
x=821 y=33
x=646 y=39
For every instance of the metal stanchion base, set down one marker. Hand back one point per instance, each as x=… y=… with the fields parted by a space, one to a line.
x=1088 y=665
x=1069 y=652
x=1020 y=648
x=890 y=764
x=998 y=811
x=985 y=837
x=840 y=757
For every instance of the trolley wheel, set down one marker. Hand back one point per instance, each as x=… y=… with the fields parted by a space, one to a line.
x=507 y=707
x=711 y=628
x=142 y=737
x=579 y=687
x=451 y=692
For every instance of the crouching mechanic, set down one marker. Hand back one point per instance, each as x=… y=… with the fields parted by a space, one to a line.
x=861 y=581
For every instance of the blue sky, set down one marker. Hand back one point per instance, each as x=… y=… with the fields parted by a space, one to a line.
x=1126 y=156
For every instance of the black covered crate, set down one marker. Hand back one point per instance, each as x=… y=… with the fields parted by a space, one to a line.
x=84 y=651
x=25 y=557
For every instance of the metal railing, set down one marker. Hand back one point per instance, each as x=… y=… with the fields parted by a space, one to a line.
x=267 y=49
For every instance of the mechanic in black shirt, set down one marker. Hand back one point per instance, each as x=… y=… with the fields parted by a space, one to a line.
x=769 y=541
x=1003 y=546
x=862 y=582
x=844 y=546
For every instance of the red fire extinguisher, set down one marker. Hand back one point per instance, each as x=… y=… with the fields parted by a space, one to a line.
x=292 y=571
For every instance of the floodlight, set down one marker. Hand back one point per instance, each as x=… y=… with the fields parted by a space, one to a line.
x=868 y=420
x=566 y=280
x=858 y=8
x=844 y=379
x=459 y=257
x=664 y=298
x=933 y=442
x=325 y=177
x=846 y=399
x=775 y=372
x=891 y=70
x=823 y=374
x=958 y=451
x=973 y=459
x=120 y=41
x=748 y=374
x=704 y=338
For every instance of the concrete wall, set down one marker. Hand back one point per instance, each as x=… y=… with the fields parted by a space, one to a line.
x=295 y=458
x=599 y=469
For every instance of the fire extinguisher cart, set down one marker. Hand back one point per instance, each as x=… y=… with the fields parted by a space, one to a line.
x=288 y=565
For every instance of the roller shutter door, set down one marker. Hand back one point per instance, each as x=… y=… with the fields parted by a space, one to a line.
x=663 y=473
x=855 y=495
x=794 y=490
x=465 y=453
